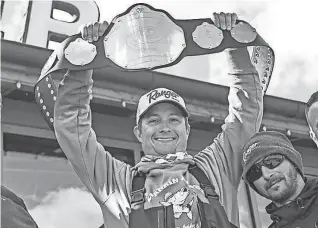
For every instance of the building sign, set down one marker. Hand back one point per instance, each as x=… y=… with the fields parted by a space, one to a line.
x=40 y=22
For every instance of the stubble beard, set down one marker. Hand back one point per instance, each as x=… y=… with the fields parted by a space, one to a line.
x=291 y=186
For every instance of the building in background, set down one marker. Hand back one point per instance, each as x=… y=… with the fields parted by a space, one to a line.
x=33 y=163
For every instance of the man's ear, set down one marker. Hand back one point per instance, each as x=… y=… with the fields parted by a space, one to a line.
x=188 y=128
x=313 y=135
x=137 y=132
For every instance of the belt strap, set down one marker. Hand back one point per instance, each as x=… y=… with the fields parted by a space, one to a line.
x=213 y=214
x=45 y=89
x=158 y=217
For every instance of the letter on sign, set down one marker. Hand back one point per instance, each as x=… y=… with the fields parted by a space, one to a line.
x=42 y=25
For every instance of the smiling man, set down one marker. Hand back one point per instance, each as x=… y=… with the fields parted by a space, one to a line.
x=274 y=169
x=168 y=188
x=311 y=112
x=157 y=107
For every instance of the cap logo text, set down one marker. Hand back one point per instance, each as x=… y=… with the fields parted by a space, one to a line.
x=155 y=94
x=248 y=151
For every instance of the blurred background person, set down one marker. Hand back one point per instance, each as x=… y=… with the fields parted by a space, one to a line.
x=14 y=213
x=311 y=111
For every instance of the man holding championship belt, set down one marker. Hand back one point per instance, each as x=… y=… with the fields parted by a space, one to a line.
x=168 y=188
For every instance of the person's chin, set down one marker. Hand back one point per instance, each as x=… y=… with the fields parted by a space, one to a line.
x=278 y=189
x=165 y=150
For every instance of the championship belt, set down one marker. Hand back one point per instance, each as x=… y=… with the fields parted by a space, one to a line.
x=143 y=39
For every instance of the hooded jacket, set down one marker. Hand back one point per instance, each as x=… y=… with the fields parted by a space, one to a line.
x=110 y=180
x=300 y=213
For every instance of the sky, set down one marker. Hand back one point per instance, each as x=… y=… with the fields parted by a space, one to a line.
x=288 y=26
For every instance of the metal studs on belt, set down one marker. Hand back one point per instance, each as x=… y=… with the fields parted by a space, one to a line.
x=207 y=36
x=243 y=33
x=80 y=52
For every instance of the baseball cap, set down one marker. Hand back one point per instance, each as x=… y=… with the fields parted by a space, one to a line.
x=156 y=96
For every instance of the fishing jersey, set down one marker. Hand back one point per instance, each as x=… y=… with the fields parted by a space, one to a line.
x=109 y=180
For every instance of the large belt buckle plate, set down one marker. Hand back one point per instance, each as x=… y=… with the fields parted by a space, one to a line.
x=144 y=38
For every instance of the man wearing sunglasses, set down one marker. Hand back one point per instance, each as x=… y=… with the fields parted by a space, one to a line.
x=311 y=112
x=274 y=169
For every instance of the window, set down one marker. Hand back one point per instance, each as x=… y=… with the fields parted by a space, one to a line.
x=32 y=145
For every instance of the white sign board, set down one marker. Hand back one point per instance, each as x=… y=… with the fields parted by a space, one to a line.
x=38 y=22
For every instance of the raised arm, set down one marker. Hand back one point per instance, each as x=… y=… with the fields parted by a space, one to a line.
x=244 y=118
x=98 y=170
x=223 y=157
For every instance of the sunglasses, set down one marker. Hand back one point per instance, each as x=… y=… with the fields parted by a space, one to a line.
x=270 y=162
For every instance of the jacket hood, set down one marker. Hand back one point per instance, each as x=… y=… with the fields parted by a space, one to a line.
x=296 y=209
